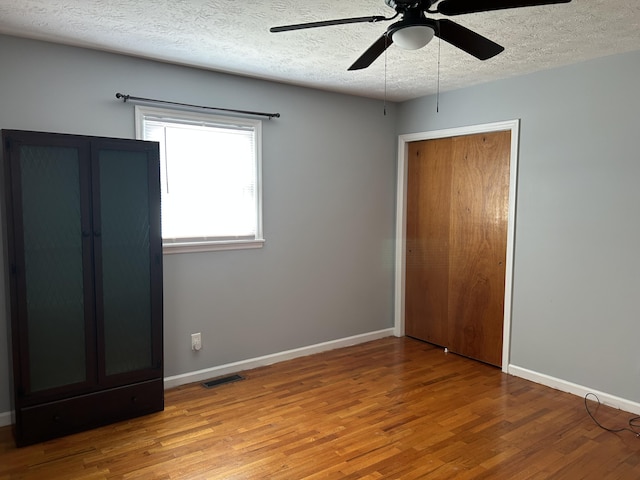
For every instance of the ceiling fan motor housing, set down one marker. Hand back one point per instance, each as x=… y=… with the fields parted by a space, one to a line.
x=414 y=31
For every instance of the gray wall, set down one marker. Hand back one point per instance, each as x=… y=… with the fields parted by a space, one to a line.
x=576 y=315
x=326 y=271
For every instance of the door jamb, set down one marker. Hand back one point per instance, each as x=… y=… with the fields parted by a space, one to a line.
x=401 y=219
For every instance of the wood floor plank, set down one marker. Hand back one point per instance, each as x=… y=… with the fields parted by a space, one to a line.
x=395 y=408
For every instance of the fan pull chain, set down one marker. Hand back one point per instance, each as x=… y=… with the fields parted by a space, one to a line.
x=384 y=108
x=438 y=77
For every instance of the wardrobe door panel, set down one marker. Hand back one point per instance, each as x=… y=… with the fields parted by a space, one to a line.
x=54 y=304
x=125 y=265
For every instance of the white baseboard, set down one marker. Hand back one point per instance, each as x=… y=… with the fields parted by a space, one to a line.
x=207 y=373
x=579 y=390
x=6 y=418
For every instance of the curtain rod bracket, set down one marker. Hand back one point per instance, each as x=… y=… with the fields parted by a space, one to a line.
x=126 y=97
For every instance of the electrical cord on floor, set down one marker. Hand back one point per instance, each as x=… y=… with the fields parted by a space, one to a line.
x=634 y=423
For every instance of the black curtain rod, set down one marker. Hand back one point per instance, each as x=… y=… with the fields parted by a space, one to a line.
x=165 y=102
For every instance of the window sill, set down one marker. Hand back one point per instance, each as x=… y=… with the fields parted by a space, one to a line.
x=194 y=247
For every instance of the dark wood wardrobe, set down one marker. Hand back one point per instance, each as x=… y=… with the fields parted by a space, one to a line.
x=83 y=277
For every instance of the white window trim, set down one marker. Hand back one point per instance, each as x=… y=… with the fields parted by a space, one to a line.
x=214 y=245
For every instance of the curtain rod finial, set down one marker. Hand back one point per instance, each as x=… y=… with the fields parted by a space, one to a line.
x=123 y=97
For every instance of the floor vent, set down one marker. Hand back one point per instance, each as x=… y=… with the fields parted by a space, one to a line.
x=221 y=381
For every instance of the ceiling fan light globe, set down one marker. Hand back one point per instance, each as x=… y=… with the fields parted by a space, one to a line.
x=413 y=37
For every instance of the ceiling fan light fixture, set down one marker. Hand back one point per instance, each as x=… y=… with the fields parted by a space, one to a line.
x=413 y=37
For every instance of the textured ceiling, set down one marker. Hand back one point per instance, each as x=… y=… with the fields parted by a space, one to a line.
x=233 y=36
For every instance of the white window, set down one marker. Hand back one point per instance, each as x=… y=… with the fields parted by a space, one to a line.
x=210 y=169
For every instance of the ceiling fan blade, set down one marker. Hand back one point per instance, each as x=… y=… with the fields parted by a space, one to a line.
x=373 y=52
x=459 y=7
x=327 y=23
x=471 y=42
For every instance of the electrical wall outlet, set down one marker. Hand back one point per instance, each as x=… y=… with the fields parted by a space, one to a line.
x=196 y=341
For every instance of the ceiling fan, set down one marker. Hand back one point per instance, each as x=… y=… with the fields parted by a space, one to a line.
x=414 y=30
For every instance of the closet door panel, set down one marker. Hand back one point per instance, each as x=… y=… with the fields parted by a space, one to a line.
x=427 y=257
x=478 y=234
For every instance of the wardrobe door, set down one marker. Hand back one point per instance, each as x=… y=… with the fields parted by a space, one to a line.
x=52 y=287
x=128 y=259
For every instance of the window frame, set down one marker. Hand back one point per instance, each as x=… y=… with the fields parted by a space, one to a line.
x=198 y=118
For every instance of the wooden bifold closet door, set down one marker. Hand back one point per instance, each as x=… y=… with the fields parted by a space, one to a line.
x=457 y=216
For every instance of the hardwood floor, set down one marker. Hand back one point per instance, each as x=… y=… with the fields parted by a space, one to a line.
x=395 y=408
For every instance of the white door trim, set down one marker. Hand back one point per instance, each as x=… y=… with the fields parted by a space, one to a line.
x=401 y=219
